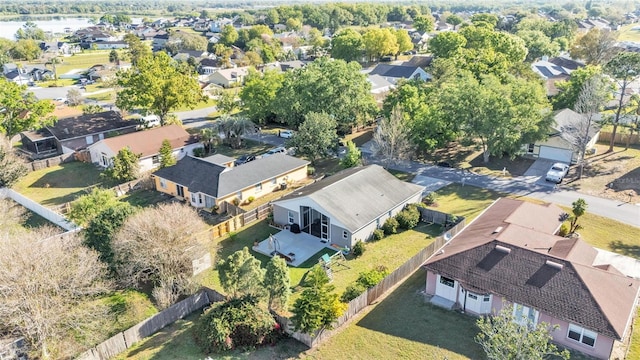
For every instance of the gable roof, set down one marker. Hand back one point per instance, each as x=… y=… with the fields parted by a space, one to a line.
x=202 y=175
x=89 y=124
x=357 y=196
x=538 y=269
x=566 y=119
x=233 y=73
x=395 y=71
x=148 y=142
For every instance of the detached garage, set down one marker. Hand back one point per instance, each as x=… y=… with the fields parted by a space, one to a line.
x=558 y=147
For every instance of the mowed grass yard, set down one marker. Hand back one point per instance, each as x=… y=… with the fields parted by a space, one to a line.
x=629 y=32
x=59 y=184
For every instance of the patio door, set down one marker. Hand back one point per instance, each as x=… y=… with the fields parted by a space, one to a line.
x=180 y=190
x=324 y=227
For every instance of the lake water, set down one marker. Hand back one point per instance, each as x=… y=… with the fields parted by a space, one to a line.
x=55 y=26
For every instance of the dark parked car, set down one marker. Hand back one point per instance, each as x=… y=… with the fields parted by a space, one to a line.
x=244 y=159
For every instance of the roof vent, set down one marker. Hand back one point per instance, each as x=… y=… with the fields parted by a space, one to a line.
x=554 y=265
x=497 y=230
x=503 y=249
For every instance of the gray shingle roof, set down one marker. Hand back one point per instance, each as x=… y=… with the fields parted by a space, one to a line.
x=395 y=71
x=200 y=175
x=83 y=125
x=577 y=292
x=357 y=196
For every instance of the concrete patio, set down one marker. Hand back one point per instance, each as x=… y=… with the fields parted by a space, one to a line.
x=295 y=248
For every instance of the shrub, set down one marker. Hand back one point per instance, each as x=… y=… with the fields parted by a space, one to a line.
x=199 y=152
x=378 y=234
x=564 y=230
x=371 y=278
x=237 y=323
x=236 y=201
x=409 y=217
x=358 y=249
x=311 y=170
x=351 y=292
x=430 y=199
x=390 y=226
x=251 y=199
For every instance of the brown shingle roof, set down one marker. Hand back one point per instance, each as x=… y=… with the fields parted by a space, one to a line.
x=576 y=291
x=90 y=124
x=148 y=142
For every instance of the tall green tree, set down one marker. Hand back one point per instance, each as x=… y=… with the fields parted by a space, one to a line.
x=12 y=168
x=316 y=137
x=20 y=110
x=624 y=68
x=424 y=23
x=227 y=103
x=538 y=44
x=30 y=31
x=379 y=42
x=504 y=336
x=259 y=93
x=158 y=84
x=332 y=86
x=277 y=283
x=353 y=157
x=347 y=45
x=88 y=206
x=228 y=35
x=240 y=274
x=103 y=227
x=318 y=305
x=113 y=56
x=27 y=49
x=569 y=90
x=166 y=154
x=403 y=40
x=137 y=49
x=125 y=166
x=233 y=127
x=447 y=44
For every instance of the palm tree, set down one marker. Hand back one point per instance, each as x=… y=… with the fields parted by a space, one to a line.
x=233 y=127
x=209 y=139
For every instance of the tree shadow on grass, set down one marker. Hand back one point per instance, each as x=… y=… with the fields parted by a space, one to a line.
x=71 y=175
x=619 y=247
x=405 y=314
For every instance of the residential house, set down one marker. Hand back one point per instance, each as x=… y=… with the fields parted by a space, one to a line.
x=184 y=55
x=229 y=77
x=380 y=87
x=159 y=41
x=75 y=133
x=555 y=69
x=146 y=144
x=510 y=254
x=208 y=66
x=208 y=182
x=217 y=25
x=18 y=76
x=598 y=23
x=394 y=73
x=39 y=73
x=59 y=48
x=283 y=65
x=559 y=145
x=348 y=206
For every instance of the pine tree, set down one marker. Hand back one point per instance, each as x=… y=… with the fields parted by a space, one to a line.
x=166 y=154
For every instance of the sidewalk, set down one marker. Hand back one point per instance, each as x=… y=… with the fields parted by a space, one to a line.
x=627 y=213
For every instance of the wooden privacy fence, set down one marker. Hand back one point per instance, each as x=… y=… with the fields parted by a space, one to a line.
x=53 y=161
x=373 y=294
x=125 y=339
x=621 y=139
x=241 y=220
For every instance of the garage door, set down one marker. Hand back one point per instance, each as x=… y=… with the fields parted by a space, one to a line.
x=551 y=153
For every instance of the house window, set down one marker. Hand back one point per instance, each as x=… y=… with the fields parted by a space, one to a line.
x=258 y=187
x=582 y=335
x=104 y=159
x=345 y=235
x=239 y=195
x=446 y=281
x=487 y=298
x=89 y=139
x=163 y=183
x=290 y=217
x=155 y=159
x=530 y=148
x=472 y=296
x=274 y=181
x=524 y=315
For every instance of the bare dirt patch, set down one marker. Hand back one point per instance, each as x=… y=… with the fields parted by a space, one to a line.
x=614 y=175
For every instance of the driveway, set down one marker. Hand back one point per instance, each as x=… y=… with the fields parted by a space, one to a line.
x=537 y=172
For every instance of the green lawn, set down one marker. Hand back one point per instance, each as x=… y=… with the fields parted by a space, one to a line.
x=103 y=96
x=200 y=105
x=59 y=184
x=83 y=60
x=144 y=197
x=627 y=34
x=249 y=147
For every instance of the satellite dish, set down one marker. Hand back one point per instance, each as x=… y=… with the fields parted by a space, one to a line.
x=447 y=236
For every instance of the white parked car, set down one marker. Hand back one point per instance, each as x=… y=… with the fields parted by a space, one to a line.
x=287 y=134
x=557 y=172
x=278 y=150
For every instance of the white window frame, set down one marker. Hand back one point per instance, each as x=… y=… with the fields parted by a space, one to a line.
x=447 y=281
x=519 y=316
x=290 y=217
x=258 y=187
x=582 y=332
x=345 y=235
x=163 y=183
x=274 y=181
